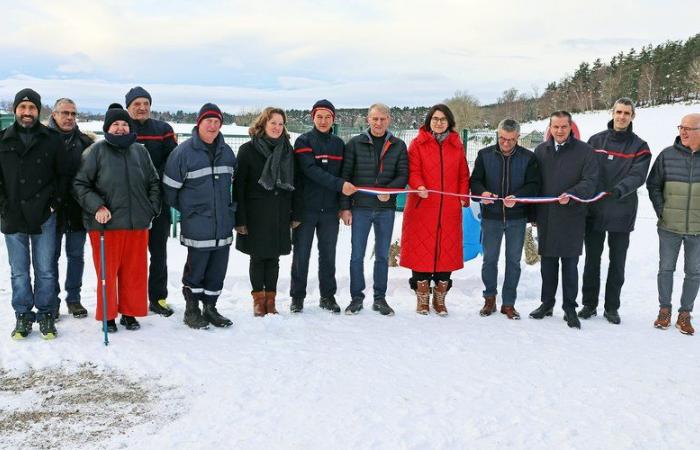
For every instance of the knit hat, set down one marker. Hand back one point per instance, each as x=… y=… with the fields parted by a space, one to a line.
x=135 y=93
x=27 y=95
x=323 y=104
x=114 y=113
x=209 y=110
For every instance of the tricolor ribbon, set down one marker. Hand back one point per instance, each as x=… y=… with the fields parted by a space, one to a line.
x=379 y=190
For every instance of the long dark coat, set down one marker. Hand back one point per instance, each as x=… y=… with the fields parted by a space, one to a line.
x=574 y=170
x=266 y=214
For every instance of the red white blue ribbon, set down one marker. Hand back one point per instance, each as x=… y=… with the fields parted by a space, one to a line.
x=380 y=190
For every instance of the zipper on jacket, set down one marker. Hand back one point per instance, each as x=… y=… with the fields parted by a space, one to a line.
x=503 y=185
x=128 y=184
x=690 y=189
x=213 y=187
x=438 y=231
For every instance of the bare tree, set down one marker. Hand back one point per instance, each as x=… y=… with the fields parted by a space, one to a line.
x=466 y=110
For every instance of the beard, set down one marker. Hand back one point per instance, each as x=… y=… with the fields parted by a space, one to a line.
x=28 y=125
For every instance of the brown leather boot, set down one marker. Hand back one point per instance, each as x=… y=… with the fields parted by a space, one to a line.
x=423 y=297
x=489 y=306
x=683 y=323
x=259 y=309
x=663 y=320
x=270 y=302
x=439 y=294
x=510 y=312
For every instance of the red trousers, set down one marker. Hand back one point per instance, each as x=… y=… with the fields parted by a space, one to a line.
x=126 y=272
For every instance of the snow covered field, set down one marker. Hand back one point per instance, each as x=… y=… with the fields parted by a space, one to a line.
x=322 y=381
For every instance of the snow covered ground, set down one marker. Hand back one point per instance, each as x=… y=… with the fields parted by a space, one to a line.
x=322 y=381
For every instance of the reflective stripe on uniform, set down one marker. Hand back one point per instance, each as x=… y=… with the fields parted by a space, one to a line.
x=207 y=243
x=172 y=183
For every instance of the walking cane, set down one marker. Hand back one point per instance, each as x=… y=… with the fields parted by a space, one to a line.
x=104 y=286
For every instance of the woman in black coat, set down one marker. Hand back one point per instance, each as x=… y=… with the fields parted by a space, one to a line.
x=263 y=186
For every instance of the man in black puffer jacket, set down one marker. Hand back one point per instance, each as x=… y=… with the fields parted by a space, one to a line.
x=623 y=162
x=69 y=221
x=158 y=137
x=375 y=158
x=319 y=157
x=504 y=170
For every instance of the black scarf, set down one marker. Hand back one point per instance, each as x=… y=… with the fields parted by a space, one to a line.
x=121 y=140
x=278 y=171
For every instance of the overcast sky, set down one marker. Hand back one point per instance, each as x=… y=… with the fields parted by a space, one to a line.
x=247 y=55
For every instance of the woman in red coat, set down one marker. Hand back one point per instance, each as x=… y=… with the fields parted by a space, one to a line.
x=431 y=238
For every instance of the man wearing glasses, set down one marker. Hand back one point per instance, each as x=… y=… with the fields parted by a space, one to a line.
x=504 y=170
x=623 y=163
x=674 y=190
x=69 y=220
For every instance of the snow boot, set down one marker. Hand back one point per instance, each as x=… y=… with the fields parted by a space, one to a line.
x=193 y=316
x=354 y=307
x=542 y=311
x=510 y=312
x=211 y=315
x=297 y=305
x=129 y=322
x=161 y=308
x=683 y=323
x=76 y=309
x=329 y=304
x=111 y=326
x=663 y=321
x=489 y=306
x=259 y=303
x=587 y=312
x=423 y=297
x=270 y=302
x=23 y=327
x=47 y=327
x=439 y=294
x=382 y=307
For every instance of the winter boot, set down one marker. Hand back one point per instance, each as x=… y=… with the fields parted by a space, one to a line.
x=683 y=323
x=161 y=308
x=355 y=306
x=47 y=327
x=612 y=316
x=193 y=316
x=382 y=307
x=297 y=305
x=571 y=318
x=270 y=302
x=77 y=310
x=330 y=304
x=23 y=327
x=489 y=306
x=510 y=312
x=129 y=322
x=587 y=312
x=259 y=303
x=542 y=311
x=111 y=326
x=423 y=297
x=439 y=294
x=663 y=321
x=211 y=315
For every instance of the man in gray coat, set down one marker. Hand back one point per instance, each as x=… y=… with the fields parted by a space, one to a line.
x=568 y=167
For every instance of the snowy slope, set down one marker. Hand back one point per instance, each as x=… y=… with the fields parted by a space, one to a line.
x=321 y=381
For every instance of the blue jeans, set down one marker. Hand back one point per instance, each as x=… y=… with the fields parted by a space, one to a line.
x=43 y=249
x=362 y=221
x=669 y=247
x=492 y=232
x=75 y=245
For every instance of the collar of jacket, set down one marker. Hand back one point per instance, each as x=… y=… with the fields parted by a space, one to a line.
x=516 y=149
x=11 y=131
x=321 y=134
x=389 y=137
x=198 y=144
x=426 y=136
x=551 y=144
x=619 y=135
x=680 y=147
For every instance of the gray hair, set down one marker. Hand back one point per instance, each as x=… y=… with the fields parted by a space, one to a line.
x=624 y=101
x=63 y=100
x=381 y=107
x=509 y=125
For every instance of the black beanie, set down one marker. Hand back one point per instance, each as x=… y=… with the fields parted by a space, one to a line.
x=135 y=93
x=114 y=113
x=209 y=110
x=27 y=95
x=323 y=104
